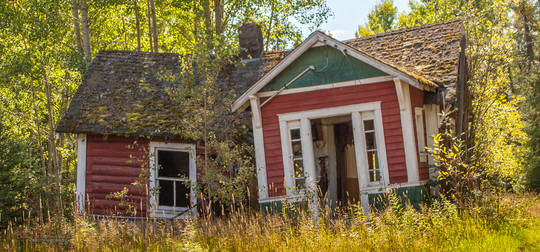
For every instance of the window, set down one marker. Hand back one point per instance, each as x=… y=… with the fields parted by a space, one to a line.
x=297 y=159
x=172 y=170
x=374 y=170
x=173 y=173
x=420 y=137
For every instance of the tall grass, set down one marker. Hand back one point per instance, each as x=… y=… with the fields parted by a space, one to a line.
x=497 y=224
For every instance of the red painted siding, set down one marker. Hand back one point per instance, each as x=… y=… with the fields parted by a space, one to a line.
x=384 y=92
x=417 y=101
x=112 y=164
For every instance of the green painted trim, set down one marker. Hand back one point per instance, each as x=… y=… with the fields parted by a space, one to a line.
x=415 y=195
x=278 y=206
x=340 y=68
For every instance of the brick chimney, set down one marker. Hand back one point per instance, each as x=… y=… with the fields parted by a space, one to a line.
x=251 y=41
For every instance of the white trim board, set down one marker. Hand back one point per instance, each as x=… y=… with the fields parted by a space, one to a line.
x=260 y=156
x=155 y=211
x=81 y=172
x=409 y=143
x=330 y=112
x=314 y=40
x=328 y=86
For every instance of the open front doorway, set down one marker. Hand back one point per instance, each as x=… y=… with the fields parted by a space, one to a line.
x=335 y=156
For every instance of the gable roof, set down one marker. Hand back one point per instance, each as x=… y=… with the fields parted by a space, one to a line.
x=128 y=93
x=424 y=56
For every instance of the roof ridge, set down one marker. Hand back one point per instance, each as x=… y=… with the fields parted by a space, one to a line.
x=101 y=52
x=403 y=30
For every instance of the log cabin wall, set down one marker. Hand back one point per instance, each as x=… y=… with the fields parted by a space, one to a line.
x=112 y=164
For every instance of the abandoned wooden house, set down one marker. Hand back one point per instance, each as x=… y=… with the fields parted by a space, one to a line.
x=348 y=119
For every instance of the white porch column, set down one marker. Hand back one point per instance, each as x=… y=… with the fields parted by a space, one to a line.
x=309 y=162
x=258 y=139
x=407 y=129
x=81 y=171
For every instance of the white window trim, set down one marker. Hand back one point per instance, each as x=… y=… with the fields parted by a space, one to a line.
x=432 y=126
x=420 y=133
x=307 y=144
x=81 y=171
x=168 y=212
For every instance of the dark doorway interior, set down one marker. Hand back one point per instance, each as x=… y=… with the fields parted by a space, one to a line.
x=347 y=177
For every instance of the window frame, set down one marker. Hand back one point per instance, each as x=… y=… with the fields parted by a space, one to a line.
x=369 y=110
x=420 y=133
x=157 y=210
x=295 y=125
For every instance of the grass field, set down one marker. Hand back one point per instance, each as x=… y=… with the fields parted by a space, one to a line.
x=500 y=223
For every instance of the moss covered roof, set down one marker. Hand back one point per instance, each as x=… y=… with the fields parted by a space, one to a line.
x=430 y=52
x=133 y=93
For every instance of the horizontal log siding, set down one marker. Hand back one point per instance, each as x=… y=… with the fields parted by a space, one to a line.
x=113 y=163
x=384 y=92
x=417 y=101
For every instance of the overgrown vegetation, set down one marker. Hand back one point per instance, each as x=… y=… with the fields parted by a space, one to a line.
x=499 y=223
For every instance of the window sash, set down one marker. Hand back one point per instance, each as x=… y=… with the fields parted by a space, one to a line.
x=173 y=179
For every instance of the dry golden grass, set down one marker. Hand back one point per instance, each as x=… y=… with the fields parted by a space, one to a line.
x=497 y=224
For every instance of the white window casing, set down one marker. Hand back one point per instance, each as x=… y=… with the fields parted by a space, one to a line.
x=420 y=133
x=166 y=211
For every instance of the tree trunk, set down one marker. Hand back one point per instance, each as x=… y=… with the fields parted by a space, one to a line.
x=149 y=15
x=269 y=30
x=154 y=24
x=76 y=25
x=137 y=24
x=208 y=23
x=218 y=17
x=53 y=157
x=86 y=32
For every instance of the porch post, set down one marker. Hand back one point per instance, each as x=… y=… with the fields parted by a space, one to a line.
x=404 y=99
x=259 y=147
x=309 y=162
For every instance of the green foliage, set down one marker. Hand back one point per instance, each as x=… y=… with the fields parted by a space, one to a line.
x=380 y=19
x=494 y=140
x=430 y=11
x=21 y=189
x=526 y=78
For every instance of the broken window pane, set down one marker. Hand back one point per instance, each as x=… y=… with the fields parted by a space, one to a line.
x=295 y=134
x=368 y=125
x=166 y=195
x=297 y=149
x=173 y=164
x=182 y=194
